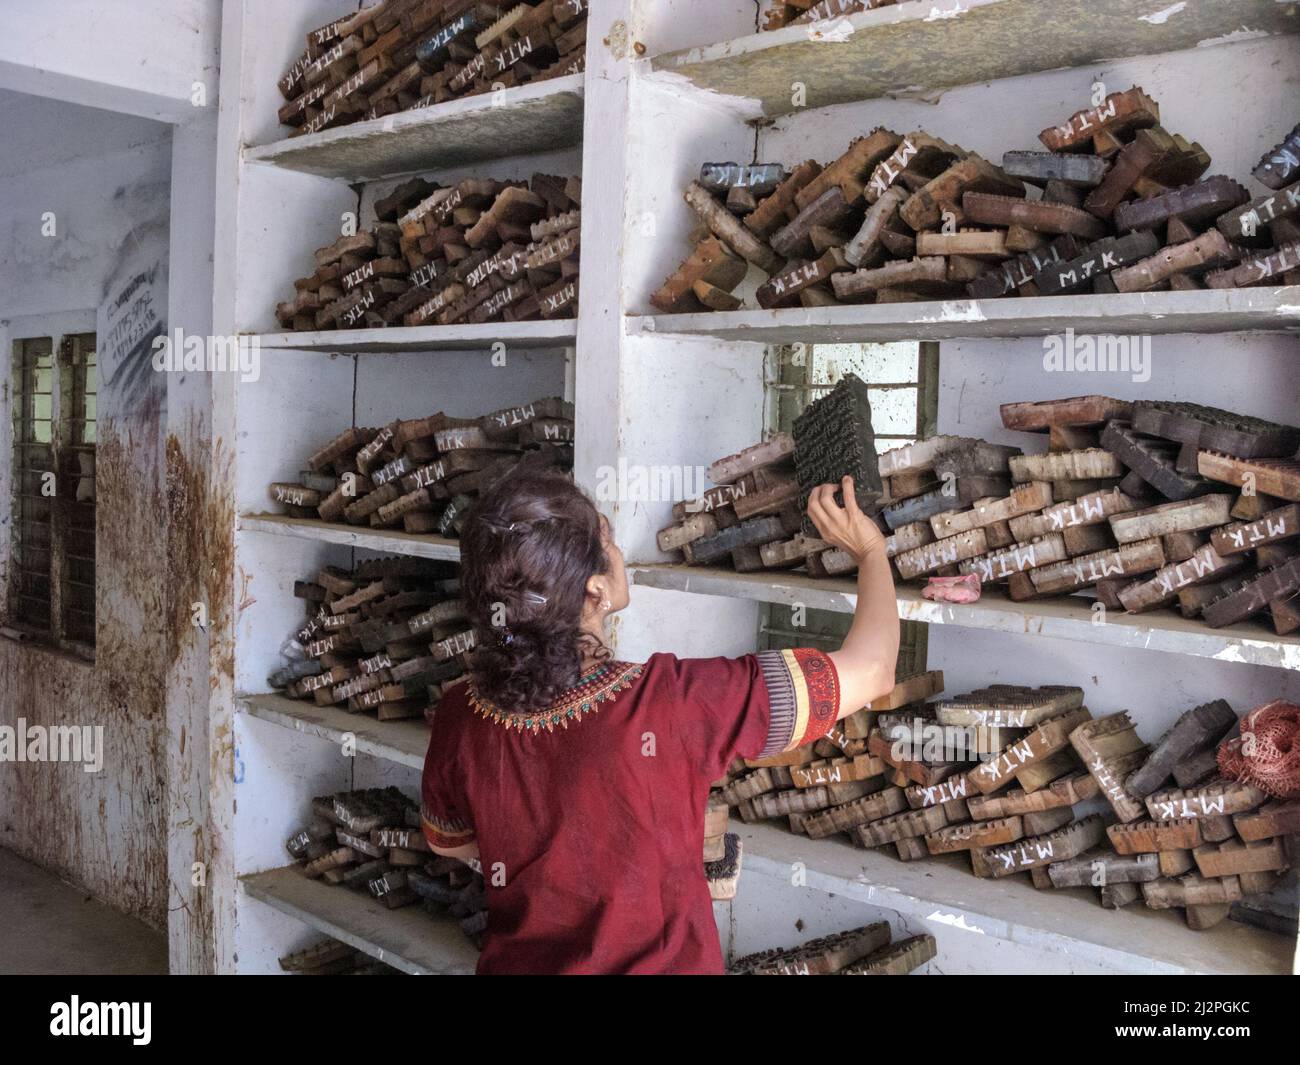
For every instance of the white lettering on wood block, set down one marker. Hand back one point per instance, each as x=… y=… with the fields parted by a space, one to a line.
x=291 y=495
x=945 y=791
x=557 y=301
x=1109 y=783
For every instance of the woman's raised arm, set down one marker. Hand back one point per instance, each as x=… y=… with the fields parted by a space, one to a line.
x=865 y=662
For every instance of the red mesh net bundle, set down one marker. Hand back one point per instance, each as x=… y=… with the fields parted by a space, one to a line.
x=1268 y=752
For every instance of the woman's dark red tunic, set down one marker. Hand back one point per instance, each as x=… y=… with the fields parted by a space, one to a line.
x=589 y=816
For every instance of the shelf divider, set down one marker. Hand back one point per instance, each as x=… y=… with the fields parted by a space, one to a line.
x=398 y=543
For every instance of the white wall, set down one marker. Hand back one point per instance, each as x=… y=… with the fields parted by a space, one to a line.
x=106 y=179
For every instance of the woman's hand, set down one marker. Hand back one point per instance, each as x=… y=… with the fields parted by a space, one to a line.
x=846 y=527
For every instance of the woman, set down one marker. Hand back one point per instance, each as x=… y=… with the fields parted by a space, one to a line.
x=580 y=782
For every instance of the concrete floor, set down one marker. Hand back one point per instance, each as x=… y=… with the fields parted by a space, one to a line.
x=49 y=928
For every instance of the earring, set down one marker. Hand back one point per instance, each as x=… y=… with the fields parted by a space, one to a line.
x=605 y=605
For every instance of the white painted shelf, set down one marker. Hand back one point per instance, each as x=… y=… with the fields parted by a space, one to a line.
x=389 y=540
x=539 y=117
x=552 y=333
x=1203 y=311
x=407 y=938
x=1068 y=618
x=402 y=742
x=942 y=890
x=918 y=48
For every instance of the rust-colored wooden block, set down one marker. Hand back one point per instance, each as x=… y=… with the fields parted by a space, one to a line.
x=1211 y=249
x=1140 y=837
x=828 y=212
x=941 y=553
x=1163 y=587
x=836 y=771
x=901 y=958
x=779 y=208
x=1270 y=820
x=1274 y=477
x=1150 y=150
x=1043 y=771
x=1046 y=739
x=1092 y=508
x=917 y=155
x=898 y=826
x=1080 y=411
x=1125 y=561
x=850 y=815
x=1217 y=799
x=974 y=834
x=781 y=290
x=1175 y=862
x=727 y=228
x=1056 y=218
x=1019 y=558
x=1111 y=749
x=1233 y=857
x=852 y=170
x=1061 y=845
x=925 y=209
x=1280 y=165
x=1024 y=499
x=1131 y=109
x=1059 y=794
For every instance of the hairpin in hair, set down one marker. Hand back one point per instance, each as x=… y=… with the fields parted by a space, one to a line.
x=535 y=599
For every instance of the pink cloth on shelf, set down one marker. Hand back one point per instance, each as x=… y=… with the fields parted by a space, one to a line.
x=964 y=589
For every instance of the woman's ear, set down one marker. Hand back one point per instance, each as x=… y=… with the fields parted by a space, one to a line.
x=597 y=591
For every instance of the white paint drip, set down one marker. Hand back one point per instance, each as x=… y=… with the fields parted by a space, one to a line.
x=1159 y=18
x=1235 y=35
x=955 y=920
x=831 y=32
x=956 y=311
x=937 y=13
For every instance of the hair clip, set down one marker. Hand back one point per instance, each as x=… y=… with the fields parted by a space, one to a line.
x=533 y=597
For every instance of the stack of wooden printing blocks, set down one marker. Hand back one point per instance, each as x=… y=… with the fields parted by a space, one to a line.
x=421 y=475
x=386 y=637
x=332 y=957
x=997 y=773
x=1149 y=504
x=371 y=840
x=865 y=951
x=722 y=851
x=478 y=251
x=1117 y=205
x=397 y=55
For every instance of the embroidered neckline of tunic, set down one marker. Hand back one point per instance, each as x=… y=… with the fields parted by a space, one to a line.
x=598 y=687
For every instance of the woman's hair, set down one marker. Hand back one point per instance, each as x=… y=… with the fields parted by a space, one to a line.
x=528 y=547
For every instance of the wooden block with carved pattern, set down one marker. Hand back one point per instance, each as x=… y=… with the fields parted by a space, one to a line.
x=846 y=817
x=1148 y=837
x=1270 y=820
x=1045 y=740
x=1117 y=113
x=981 y=834
x=1126 y=560
x=1232 y=858
x=1190 y=890
x=1111 y=749
x=1104 y=866
x=836 y=771
x=1059 y=794
x=900 y=826
x=898 y=959
x=1219 y=798
x=1009 y=706
x=945 y=191
x=1064 y=843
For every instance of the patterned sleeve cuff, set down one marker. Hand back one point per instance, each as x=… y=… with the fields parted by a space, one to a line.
x=447 y=834
x=803 y=693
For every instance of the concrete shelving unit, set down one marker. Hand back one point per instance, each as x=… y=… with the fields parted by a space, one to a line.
x=669 y=85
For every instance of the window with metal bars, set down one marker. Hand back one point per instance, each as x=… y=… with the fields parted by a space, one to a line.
x=52 y=569
x=902 y=381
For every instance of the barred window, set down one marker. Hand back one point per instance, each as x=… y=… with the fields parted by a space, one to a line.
x=52 y=567
x=902 y=381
